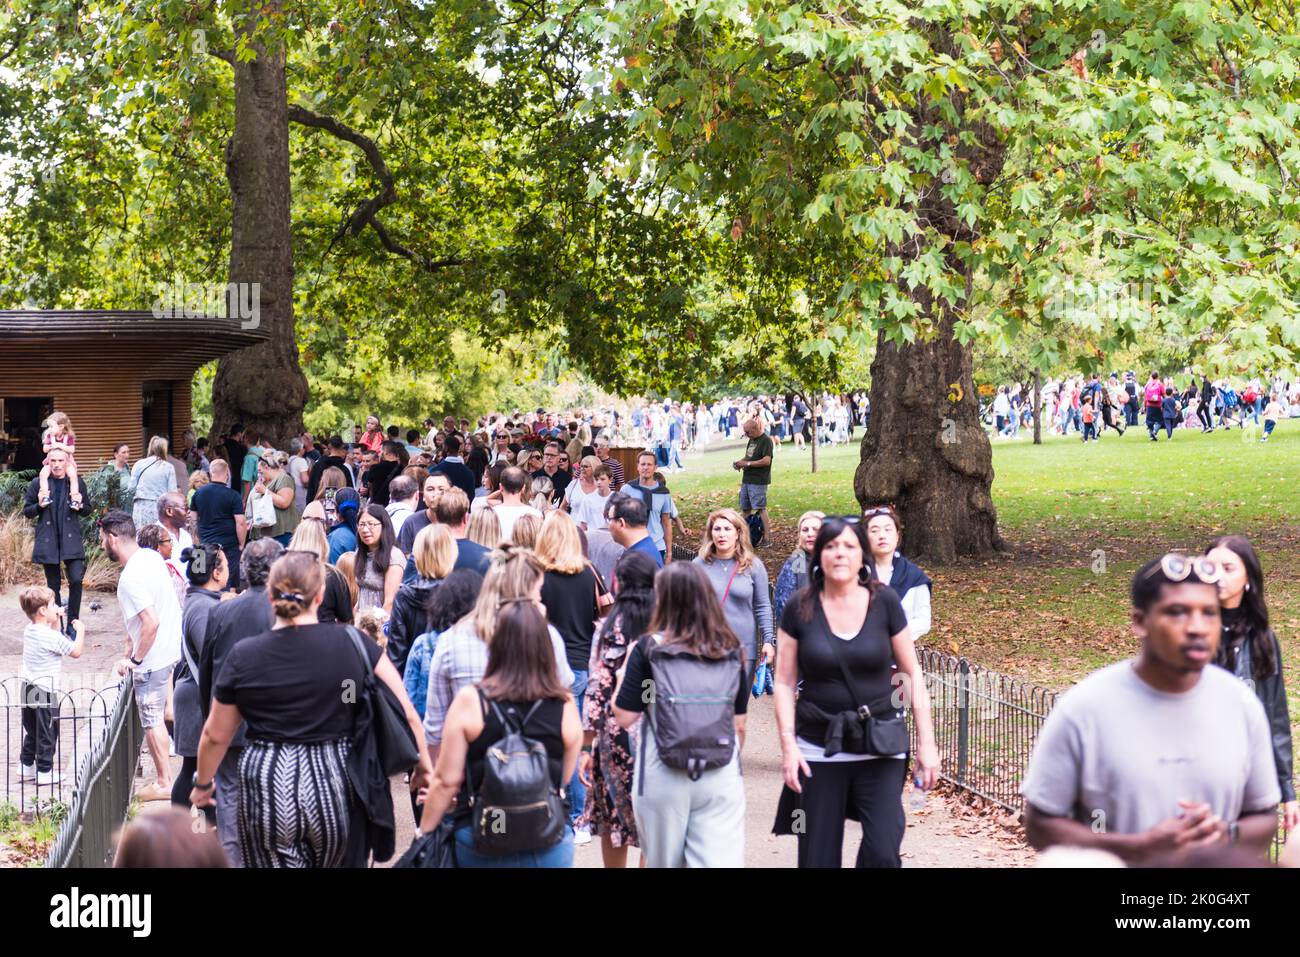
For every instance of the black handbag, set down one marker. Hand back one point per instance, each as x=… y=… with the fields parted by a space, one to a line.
x=394 y=741
x=435 y=849
x=878 y=728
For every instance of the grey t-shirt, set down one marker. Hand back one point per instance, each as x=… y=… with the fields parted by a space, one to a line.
x=1118 y=755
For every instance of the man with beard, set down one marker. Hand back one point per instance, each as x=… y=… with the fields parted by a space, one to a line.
x=1157 y=756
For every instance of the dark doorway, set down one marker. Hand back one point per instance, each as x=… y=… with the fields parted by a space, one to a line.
x=158 y=412
x=22 y=426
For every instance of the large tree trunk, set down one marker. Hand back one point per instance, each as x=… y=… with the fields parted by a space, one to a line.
x=925 y=451
x=263 y=387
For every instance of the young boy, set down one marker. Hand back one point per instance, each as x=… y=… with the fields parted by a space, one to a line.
x=1089 y=419
x=1272 y=412
x=591 y=510
x=1169 y=410
x=44 y=648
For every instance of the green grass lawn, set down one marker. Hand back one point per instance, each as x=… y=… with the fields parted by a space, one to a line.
x=1079 y=520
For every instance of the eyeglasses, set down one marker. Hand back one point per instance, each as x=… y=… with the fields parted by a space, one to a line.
x=1178 y=568
x=370 y=525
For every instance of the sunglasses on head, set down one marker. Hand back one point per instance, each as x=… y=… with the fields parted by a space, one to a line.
x=1178 y=568
x=878 y=510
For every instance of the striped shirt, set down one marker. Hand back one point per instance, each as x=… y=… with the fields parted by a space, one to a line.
x=43 y=651
x=616 y=473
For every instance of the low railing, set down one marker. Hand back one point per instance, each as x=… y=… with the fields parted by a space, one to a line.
x=103 y=794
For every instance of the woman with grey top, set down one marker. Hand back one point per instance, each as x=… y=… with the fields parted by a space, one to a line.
x=740 y=582
x=151 y=478
x=208 y=574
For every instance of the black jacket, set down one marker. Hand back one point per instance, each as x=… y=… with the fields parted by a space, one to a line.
x=459 y=475
x=229 y=623
x=1271 y=692
x=58 y=532
x=409 y=620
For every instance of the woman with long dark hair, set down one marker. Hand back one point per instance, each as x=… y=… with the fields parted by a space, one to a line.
x=379 y=560
x=606 y=763
x=520 y=687
x=1250 y=650
x=839 y=641
x=690 y=679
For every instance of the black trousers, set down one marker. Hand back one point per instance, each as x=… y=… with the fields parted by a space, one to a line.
x=874 y=790
x=40 y=727
x=76 y=569
x=1203 y=413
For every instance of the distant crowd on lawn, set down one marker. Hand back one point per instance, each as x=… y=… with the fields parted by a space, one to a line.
x=1091 y=404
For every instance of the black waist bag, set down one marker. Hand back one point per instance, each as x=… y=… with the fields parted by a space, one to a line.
x=878 y=727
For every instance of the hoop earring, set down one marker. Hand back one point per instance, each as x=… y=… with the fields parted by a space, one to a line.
x=864 y=575
x=816 y=573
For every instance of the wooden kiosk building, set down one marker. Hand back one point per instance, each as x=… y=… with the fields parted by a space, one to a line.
x=121 y=376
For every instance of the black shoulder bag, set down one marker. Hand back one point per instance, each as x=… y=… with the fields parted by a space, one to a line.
x=879 y=727
x=393 y=739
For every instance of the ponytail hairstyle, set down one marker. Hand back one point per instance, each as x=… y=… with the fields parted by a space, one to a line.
x=1252 y=626
x=202 y=562
x=295 y=584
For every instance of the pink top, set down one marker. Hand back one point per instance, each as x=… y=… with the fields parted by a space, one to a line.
x=65 y=441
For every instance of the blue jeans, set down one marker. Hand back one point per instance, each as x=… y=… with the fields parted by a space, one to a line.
x=577 y=790
x=675 y=455
x=560 y=855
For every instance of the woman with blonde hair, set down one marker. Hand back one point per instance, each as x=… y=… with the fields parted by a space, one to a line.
x=322 y=506
x=569 y=592
x=794 y=573
x=585 y=485
x=484 y=528
x=526 y=530
x=740 y=582
x=284 y=686
x=198 y=479
x=339 y=598
x=435 y=556
x=149 y=482
x=460 y=658
x=543 y=490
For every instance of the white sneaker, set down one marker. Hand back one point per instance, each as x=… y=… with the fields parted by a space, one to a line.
x=581 y=836
x=48 y=778
x=26 y=772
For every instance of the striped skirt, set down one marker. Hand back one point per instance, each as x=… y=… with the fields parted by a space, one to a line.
x=293 y=804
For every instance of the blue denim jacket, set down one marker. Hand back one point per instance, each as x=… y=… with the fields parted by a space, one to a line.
x=416 y=676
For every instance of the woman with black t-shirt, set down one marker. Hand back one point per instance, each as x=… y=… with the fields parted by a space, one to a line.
x=847 y=623
x=520 y=678
x=1250 y=650
x=288 y=686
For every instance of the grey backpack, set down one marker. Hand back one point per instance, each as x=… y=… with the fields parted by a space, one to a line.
x=692 y=708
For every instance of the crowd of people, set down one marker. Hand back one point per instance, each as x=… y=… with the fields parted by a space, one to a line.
x=1091 y=405
x=510 y=605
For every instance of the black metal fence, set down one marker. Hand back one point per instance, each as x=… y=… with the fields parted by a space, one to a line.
x=985 y=725
x=104 y=784
x=93 y=737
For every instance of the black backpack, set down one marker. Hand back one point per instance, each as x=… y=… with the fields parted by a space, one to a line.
x=755 y=523
x=516 y=807
x=692 y=708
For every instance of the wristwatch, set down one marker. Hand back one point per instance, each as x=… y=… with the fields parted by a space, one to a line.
x=134 y=661
x=194 y=780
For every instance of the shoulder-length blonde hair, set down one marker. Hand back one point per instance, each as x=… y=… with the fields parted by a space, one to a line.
x=513 y=575
x=524 y=532
x=310 y=536
x=434 y=551
x=158 y=447
x=558 y=547
x=744 y=550
x=484 y=527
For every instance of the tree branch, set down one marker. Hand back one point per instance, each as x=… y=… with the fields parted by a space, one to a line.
x=365 y=213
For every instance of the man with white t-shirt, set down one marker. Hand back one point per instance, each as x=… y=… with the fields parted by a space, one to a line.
x=173 y=516
x=153 y=646
x=1156 y=757
x=513 y=482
